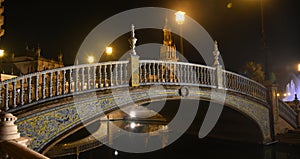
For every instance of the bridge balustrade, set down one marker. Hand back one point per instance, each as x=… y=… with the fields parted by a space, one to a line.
x=237 y=83
x=52 y=84
x=179 y=73
x=176 y=73
x=287 y=113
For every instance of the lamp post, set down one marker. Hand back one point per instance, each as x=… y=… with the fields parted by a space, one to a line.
x=180 y=17
x=264 y=42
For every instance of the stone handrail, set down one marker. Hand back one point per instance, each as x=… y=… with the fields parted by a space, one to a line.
x=237 y=83
x=287 y=113
x=179 y=73
x=47 y=85
x=50 y=84
x=176 y=73
x=11 y=149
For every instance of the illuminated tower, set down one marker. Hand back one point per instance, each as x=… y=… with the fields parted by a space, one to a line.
x=1 y=18
x=168 y=49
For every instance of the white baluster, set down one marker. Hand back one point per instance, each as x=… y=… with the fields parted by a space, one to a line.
x=64 y=82
x=82 y=79
x=37 y=87
x=105 y=76
x=57 y=83
x=43 y=86
x=100 y=76
x=14 y=93
x=121 y=73
x=70 y=80
x=88 y=80
x=6 y=96
x=116 y=74
x=94 y=77
x=21 y=92
x=29 y=89
x=76 y=80
x=111 y=75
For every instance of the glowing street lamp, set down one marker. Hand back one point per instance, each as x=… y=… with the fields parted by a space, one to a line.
x=278 y=94
x=91 y=59
x=299 y=67
x=1 y=52
x=284 y=94
x=180 y=17
x=109 y=50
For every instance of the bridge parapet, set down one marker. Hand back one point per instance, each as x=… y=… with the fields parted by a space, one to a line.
x=48 y=85
x=51 y=84
x=287 y=113
x=180 y=73
x=240 y=84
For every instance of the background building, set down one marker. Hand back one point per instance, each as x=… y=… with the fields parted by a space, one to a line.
x=29 y=62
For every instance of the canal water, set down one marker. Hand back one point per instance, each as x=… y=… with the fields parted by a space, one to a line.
x=191 y=147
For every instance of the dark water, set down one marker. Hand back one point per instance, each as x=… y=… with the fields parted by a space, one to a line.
x=190 y=147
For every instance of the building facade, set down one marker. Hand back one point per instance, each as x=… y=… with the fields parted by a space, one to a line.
x=168 y=48
x=31 y=61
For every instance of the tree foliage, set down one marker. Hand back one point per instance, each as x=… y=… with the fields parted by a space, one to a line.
x=254 y=71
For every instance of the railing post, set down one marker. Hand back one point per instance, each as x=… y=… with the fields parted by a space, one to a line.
x=134 y=65
x=218 y=72
x=134 y=71
x=274 y=110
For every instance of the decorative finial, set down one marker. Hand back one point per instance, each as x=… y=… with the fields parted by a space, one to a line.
x=60 y=57
x=38 y=51
x=132 y=40
x=216 y=54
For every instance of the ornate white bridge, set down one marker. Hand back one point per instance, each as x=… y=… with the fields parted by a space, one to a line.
x=31 y=89
x=31 y=97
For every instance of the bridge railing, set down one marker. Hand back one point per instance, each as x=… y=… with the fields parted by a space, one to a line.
x=287 y=113
x=237 y=83
x=176 y=73
x=179 y=73
x=49 y=84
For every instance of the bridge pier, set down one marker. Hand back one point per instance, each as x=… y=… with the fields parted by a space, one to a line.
x=274 y=109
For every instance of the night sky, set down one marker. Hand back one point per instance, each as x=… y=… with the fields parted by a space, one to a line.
x=62 y=25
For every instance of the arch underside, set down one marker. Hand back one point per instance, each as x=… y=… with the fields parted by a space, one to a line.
x=48 y=125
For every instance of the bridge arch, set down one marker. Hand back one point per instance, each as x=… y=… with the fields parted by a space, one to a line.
x=47 y=127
